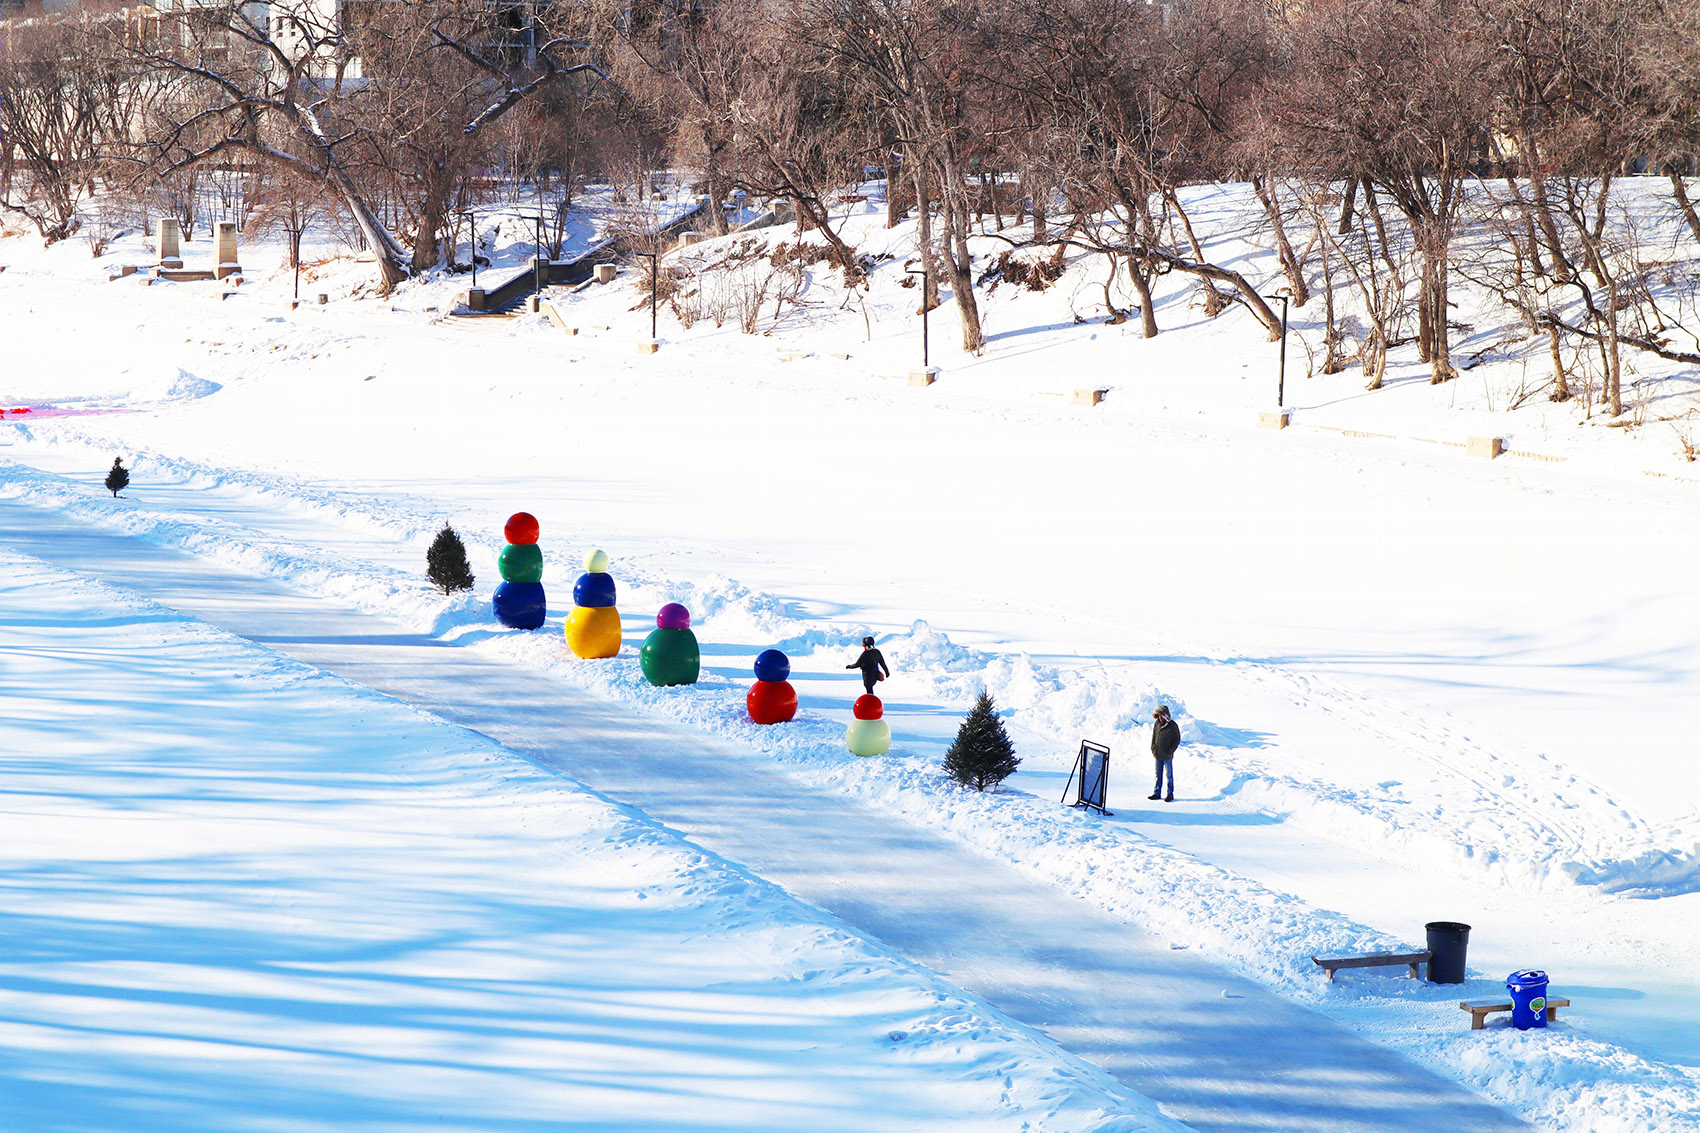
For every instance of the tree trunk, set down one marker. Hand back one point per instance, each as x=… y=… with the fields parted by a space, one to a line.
x=957 y=258
x=1680 y=192
x=1436 y=270
x=893 y=190
x=1212 y=301
x=1347 y=206
x=1283 y=248
x=924 y=238
x=1560 y=380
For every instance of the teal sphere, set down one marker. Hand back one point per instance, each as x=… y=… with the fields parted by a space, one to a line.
x=521 y=562
x=671 y=657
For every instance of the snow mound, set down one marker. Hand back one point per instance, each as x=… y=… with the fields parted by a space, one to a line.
x=171 y=383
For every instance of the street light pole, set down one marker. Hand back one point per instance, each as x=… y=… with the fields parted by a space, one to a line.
x=922 y=272
x=295 y=255
x=537 y=260
x=472 y=224
x=1281 y=382
x=654 y=270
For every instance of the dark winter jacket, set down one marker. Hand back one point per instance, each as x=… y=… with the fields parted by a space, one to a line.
x=1165 y=738
x=871 y=663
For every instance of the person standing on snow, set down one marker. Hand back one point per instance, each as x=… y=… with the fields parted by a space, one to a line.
x=1165 y=738
x=871 y=663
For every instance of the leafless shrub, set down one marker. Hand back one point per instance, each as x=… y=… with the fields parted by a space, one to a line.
x=1034 y=275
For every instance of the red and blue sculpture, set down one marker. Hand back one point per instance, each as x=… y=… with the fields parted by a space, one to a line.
x=519 y=601
x=772 y=700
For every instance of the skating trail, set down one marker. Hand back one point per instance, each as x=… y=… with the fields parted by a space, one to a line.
x=1218 y=1051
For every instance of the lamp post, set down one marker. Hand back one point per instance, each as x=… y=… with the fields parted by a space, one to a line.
x=922 y=272
x=295 y=231
x=472 y=227
x=537 y=260
x=1281 y=381
x=654 y=269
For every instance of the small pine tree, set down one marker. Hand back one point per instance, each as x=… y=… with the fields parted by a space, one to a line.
x=119 y=478
x=982 y=755
x=445 y=562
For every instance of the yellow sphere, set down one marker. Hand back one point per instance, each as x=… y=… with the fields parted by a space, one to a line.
x=593 y=631
x=596 y=562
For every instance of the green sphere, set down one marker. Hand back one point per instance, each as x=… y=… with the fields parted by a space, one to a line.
x=671 y=657
x=521 y=562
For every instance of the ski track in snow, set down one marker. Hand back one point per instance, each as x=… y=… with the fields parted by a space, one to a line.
x=1257 y=930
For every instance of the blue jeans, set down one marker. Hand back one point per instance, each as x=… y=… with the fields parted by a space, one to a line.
x=1165 y=767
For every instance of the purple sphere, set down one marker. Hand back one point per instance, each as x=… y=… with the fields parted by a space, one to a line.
x=673 y=616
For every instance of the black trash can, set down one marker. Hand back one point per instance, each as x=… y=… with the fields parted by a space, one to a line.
x=1448 y=940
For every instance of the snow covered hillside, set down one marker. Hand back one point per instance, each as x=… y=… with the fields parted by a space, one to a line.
x=1413 y=685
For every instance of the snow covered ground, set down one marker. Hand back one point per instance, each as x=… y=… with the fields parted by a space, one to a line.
x=1414 y=686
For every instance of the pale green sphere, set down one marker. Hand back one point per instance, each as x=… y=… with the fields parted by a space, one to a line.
x=596 y=562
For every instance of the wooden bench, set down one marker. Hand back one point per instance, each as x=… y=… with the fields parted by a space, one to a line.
x=1480 y=1009
x=1331 y=964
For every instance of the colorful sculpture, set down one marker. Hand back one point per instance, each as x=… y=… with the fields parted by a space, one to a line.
x=772 y=700
x=519 y=601
x=868 y=734
x=670 y=655
x=593 y=627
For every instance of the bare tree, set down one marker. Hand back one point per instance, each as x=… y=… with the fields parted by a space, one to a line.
x=290 y=86
x=57 y=107
x=1400 y=95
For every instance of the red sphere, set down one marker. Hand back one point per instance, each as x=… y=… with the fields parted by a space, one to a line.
x=771 y=702
x=521 y=528
x=868 y=707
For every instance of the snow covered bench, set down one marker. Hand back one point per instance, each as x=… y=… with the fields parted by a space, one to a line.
x=1480 y=1009
x=1331 y=964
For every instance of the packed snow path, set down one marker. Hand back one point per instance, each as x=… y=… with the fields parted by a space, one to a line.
x=1217 y=1050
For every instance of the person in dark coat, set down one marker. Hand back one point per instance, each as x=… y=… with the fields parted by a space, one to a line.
x=1165 y=738
x=872 y=664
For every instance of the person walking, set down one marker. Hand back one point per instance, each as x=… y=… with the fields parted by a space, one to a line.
x=872 y=664
x=1165 y=738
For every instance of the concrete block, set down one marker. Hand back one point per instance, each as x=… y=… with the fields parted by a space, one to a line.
x=123 y=271
x=605 y=273
x=1278 y=420
x=1488 y=447
x=649 y=347
x=475 y=299
x=323 y=298
x=224 y=248
x=1089 y=396
x=534 y=304
x=167 y=235
x=686 y=239
x=924 y=377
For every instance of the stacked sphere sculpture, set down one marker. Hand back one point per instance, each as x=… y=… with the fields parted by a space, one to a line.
x=868 y=734
x=670 y=655
x=771 y=699
x=519 y=601
x=593 y=627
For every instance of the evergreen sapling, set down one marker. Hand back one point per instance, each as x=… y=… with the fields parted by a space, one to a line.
x=982 y=755
x=445 y=562
x=119 y=478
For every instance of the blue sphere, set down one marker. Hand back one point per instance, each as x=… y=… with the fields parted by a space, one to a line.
x=772 y=665
x=520 y=605
x=595 y=590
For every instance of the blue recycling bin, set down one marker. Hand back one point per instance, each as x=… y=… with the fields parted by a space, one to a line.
x=1528 y=990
